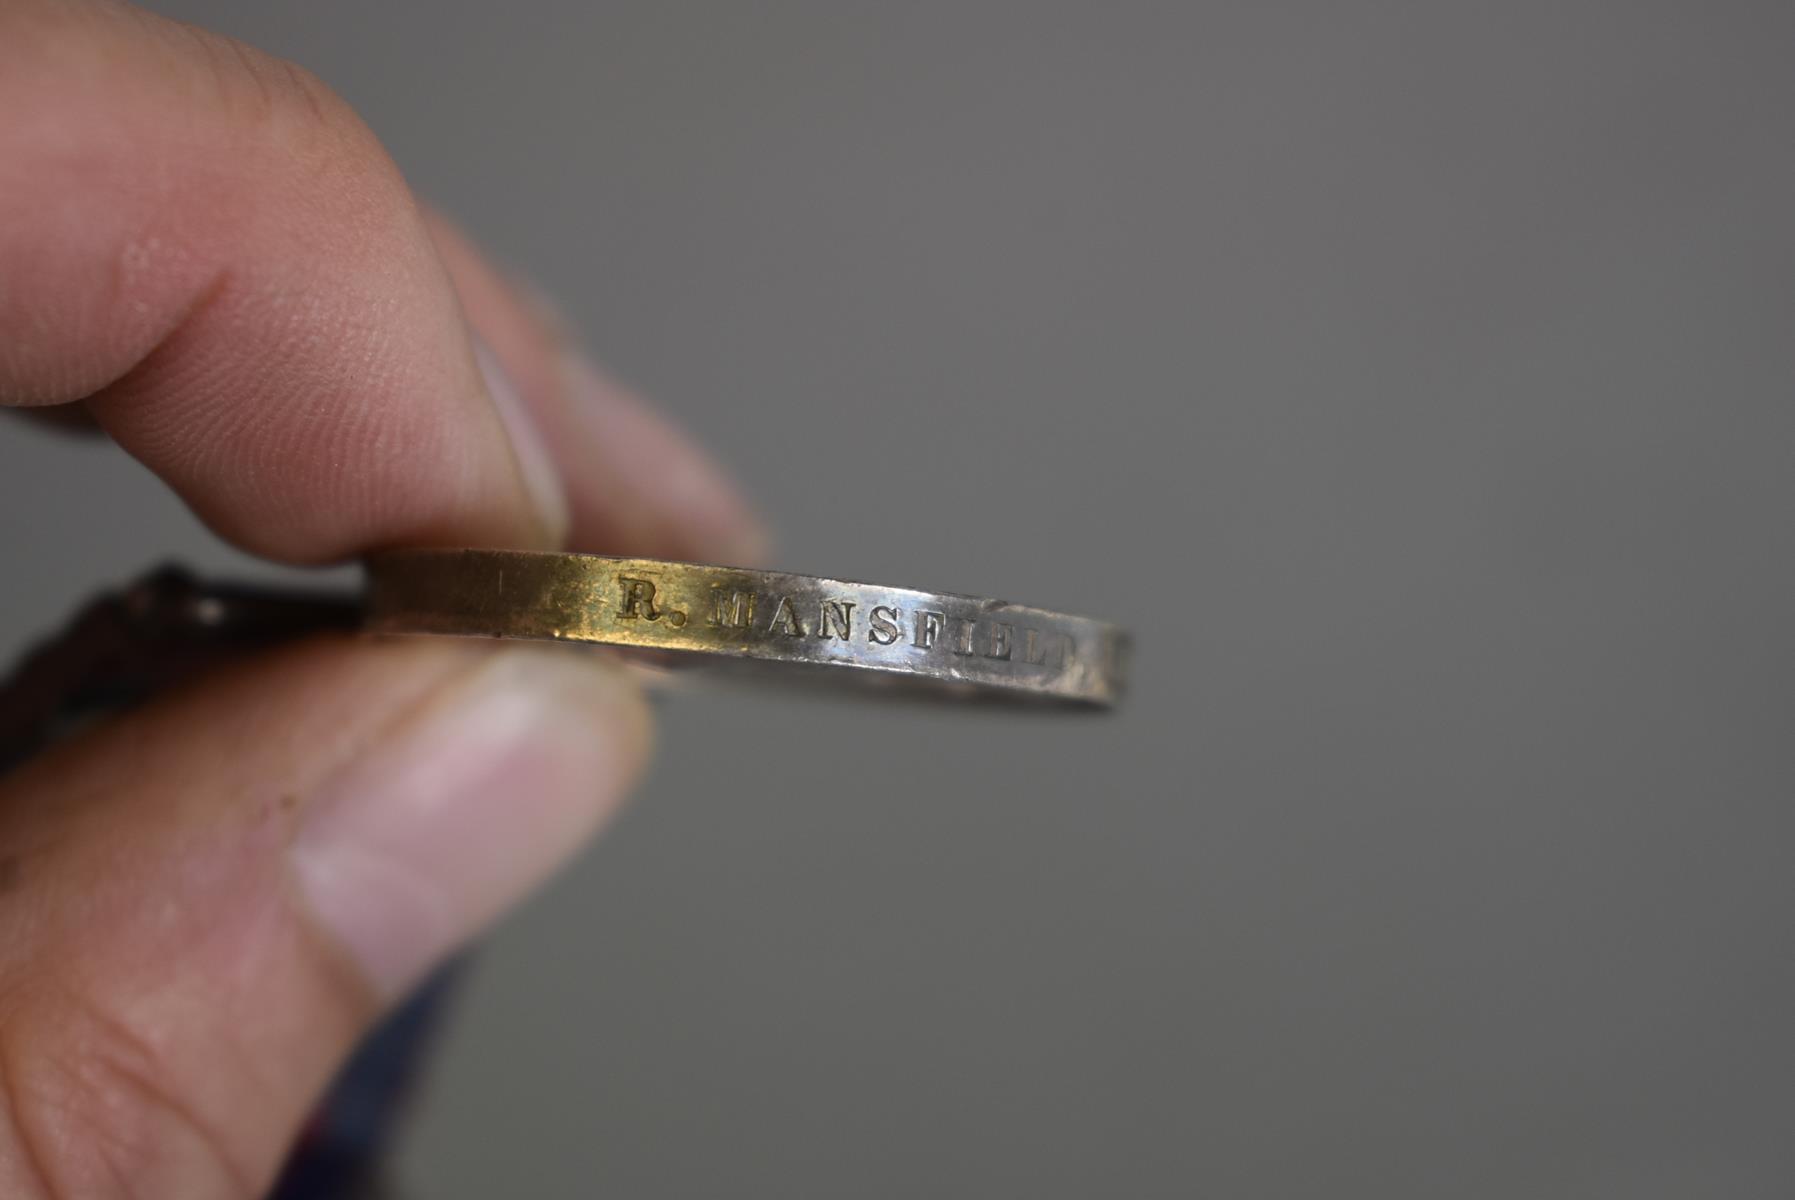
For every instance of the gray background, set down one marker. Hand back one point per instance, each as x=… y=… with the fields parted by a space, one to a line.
x=1416 y=380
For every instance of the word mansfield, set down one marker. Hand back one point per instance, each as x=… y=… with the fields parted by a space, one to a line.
x=777 y=615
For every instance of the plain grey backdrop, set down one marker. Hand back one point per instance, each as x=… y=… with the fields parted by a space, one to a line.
x=1416 y=380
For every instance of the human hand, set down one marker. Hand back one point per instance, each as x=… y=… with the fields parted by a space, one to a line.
x=203 y=904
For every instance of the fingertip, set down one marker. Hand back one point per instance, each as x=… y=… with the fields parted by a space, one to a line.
x=648 y=488
x=217 y=256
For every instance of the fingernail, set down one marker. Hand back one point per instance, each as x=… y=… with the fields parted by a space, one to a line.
x=534 y=462
x=419 y=844
x=688 y=505
x=701 y=512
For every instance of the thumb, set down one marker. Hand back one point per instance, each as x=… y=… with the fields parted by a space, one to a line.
x=204 y=903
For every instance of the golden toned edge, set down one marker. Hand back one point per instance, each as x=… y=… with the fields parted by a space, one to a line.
x=764 y=615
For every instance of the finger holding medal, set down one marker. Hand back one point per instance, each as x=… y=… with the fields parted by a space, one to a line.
x=212 y=897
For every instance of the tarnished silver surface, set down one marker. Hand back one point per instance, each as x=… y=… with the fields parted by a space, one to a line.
x=767 y=616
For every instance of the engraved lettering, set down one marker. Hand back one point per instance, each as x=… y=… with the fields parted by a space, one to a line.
x=737 y=613
x=999 y=645
x=885 y=628
x=963 y=636
x=1035 y=647
x=638 y=600
x=837 y=615
x=785 y=619
x=928 y=628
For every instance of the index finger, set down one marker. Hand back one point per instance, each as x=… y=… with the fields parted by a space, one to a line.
x=209 y=246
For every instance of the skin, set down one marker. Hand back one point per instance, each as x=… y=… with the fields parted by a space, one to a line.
x=207 y=255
